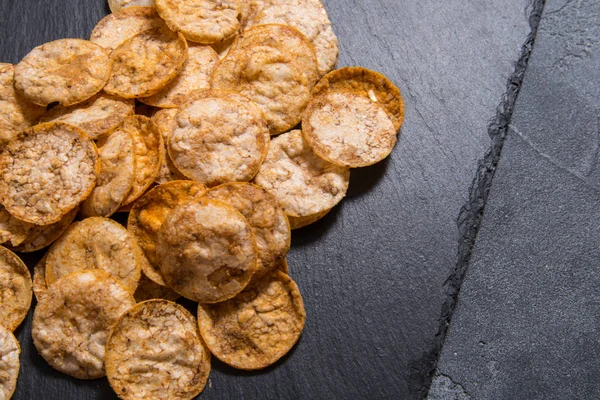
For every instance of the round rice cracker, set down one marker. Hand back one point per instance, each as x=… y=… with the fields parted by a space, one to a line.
x=47 y=171
x=65 y=71
x=117 y=5
x=73 y=319
x=39 y=278
x=195 y=75
x=219 y=137
x=275 y=66
x=144 y=64
x=257 y=327
x=117 y=174
x=116 y=28
x=98 y=116
x=266 y=217
x=201 y=21
x=150 y=212
x=155 y=352
x=39 y=237
x=13 y=231
x=16 y=113
x=301 y=222
x=302 y=182
x=206 y=251
x=164 y=120
x=10 y=363
x=148 y=290
x=15 y=289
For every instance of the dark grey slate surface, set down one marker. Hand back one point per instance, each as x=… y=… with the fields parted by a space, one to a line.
x=527 y=321
x=372 y=272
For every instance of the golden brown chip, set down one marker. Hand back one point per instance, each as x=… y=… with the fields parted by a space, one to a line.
x=47 y=171
x=13 y=231
x=15 y=289
x=164 y=120
x=9 y=363
x=116 y=5
x=276 y=67
x=219 y=137
x=97 y=116
x=39 y=278
x=201 y=21
x=195 y=75
x=303 y=183
x=155 y=352
x=149 y=213
x=266 y=217
x=148 y=290
x=116 y=28
x=67 y=71
x=39 y=237
x=96 y=243
x=147 y=62
x=257 y=327
x=301 y=222
x=16 y=113
x=284 y=267
x=206 y=251
x=117 y=174
x=73 y=319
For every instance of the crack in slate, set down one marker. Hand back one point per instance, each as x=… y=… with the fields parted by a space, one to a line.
x=469 y=219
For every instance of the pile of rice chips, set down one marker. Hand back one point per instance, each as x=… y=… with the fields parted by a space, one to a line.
x=210 y=165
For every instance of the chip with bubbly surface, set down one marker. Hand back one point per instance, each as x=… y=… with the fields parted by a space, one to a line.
x=39 y=237
x=124 y=24
x=9 y=363
x=116 y=5
x=15 y=289
x=164 y=120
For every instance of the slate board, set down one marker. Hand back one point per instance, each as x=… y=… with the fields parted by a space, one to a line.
x=372 y=272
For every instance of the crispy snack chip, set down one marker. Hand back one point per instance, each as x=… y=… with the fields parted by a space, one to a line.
x=219 y=137
x=9 y=363
x=301 y=222
x=15 y=289
x=276 y=67
x=39 y=278
x=266 y=217
x=148 y=290
x=164 y=120
x=13 y=231
x=39 y=237
x=96 y=243
x=116 y=28
x=155 y=352
x=67 y=71
x=206 y=251
x=47 y=171
x=257 y=327
x=149 y=213
x=116 y=5
x=73 y=319
x=147 y=62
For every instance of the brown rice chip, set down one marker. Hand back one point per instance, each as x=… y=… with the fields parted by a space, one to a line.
x=47 y=171
x=206 y=251
x=96 y=243
x=116 y=5
x=201 y=21
x=116 y=28
x=258 y=326
x=266 y=217
x=147 y=62
x=195 y=75
x=117 y=174
x=15 y=289
x=252 y=8
x=164 y=120
x=39 y=278
x=67 y=71
x=9 y=363
x=284 y=267
x=155 y=352
x=97 y=116
x=276 y=67
x=39 y=237
x=303 y=183
x=73 y=319
x=219 y=137
x=148 y=290
x=13 y=231
x=301 y=222
x=149 y=213
x=16 y=113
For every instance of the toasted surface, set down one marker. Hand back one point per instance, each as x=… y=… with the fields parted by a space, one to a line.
x=148 y=290
x=146 y=62
x=97 y=116
x=39 y=278
x=16 y=112
x=117 y=174
x=206 y=251
x=252 y=8
x=258 y=326
x=39 y=237
x=116 y=5
x=15 y=289
x=301 y=222
x=266 y=217
x=149 y=213
x=201 y=21
x=124 y=24
x=46 y=172
x=96 y=243
x=218 y=137
x=13 y=231
x=67 y=71
x=195 y=75
x=164 y=120
x=9 y=363
x=276 y=67
x=155 y=352
x=303 y=183
x=73 y=319
x=346 y=128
